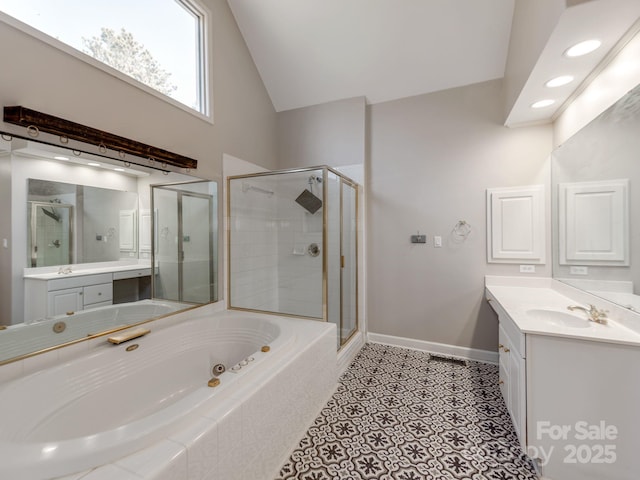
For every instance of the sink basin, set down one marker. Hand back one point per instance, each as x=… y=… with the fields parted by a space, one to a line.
x=559 y=318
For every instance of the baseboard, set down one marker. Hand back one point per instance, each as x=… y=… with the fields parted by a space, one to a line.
x=484 y=356
x=348 y=352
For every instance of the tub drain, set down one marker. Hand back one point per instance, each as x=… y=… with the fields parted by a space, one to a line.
x=219 y=369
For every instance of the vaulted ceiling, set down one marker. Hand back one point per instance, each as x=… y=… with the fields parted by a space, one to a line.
x=315 y=51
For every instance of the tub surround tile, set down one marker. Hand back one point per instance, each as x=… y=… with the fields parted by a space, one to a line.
x=398 y=416
x=231 y=462
x=166 y=460
x=201 y=443
x=109 y=472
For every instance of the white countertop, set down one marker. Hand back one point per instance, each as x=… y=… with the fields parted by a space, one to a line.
x=94 y=270
x=520 y=303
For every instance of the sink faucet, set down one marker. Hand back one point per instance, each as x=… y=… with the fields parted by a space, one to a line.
x=64 y=270
x=595 y=315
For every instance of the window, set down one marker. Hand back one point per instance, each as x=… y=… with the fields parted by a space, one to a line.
x=159 y=43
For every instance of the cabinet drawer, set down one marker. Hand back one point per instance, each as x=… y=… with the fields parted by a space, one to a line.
x=98 y=293
x=143 y=272
x=78 y=281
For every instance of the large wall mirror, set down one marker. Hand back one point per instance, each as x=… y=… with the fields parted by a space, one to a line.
x=596 y=196
x=95 y=244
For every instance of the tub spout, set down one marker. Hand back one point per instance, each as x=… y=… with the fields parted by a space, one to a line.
x=128 y=335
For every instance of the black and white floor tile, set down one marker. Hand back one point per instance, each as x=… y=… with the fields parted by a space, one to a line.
x=398 y=416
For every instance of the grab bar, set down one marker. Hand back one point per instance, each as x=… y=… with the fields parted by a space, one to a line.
x=128 y=335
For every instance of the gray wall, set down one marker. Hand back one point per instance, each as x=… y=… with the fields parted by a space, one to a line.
x=46 y=79
x=328 y=134
x=430 y=160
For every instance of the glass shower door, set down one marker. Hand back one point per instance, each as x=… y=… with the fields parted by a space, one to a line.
x=197 y=248
x=184 y=242
x=349 y=270
x=342 y=256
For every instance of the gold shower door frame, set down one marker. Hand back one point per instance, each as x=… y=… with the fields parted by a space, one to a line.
x=344 y=180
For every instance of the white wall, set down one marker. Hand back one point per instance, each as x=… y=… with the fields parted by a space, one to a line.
x=431 y=158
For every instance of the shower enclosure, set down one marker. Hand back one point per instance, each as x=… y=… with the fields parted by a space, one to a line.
x=292 y=240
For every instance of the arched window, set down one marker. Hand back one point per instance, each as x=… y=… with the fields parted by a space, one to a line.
x=157 y=43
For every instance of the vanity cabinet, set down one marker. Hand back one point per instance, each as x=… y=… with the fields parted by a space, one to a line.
x=512 y=371
x=66 y=294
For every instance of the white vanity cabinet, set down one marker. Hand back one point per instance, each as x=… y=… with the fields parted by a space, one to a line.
x=570 y=385
x=512 y=370
x=66 y=294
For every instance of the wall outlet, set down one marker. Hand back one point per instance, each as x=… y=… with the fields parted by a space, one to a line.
x=418 y=239
x=527 y=269
x=437 y=241
x=579 y=270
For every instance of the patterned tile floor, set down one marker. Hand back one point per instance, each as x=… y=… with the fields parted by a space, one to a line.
x=398 y=416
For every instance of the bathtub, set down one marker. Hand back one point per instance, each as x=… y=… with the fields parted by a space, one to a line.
x=105 y=412
x=35 y=336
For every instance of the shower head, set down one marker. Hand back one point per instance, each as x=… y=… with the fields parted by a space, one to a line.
x=314 y=179
x=309 y=201
x=51 y=214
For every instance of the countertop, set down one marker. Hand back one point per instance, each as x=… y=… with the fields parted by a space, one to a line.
x=81 y=271
x=528 y=305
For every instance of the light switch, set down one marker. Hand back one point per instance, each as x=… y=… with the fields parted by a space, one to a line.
x=437 y=242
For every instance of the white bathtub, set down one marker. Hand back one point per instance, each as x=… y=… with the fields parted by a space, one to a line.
x=109 y=403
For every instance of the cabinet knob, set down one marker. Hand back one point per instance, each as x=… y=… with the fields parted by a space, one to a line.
x=506 y=350
x=500 y=346
x=500 y=382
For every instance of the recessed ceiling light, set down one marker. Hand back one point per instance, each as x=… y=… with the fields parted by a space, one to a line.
x=542 y=103
x=119 y=169
x=583 y=48
x=93 y=164
x=559 y=81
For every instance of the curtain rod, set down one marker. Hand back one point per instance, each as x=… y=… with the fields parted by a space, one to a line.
x=35 y=122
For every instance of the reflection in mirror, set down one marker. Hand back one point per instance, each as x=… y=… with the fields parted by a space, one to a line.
x=70 y=223
x=81 y=245
x=185 y=242
x=595 y=177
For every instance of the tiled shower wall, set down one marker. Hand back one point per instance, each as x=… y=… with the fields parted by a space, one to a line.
x=270 y=233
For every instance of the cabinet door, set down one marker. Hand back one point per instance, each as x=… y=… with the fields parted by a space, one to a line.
x=517 y=394
x=63 y=301
x=504 y=375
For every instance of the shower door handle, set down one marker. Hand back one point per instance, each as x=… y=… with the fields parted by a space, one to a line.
x=341 y=261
